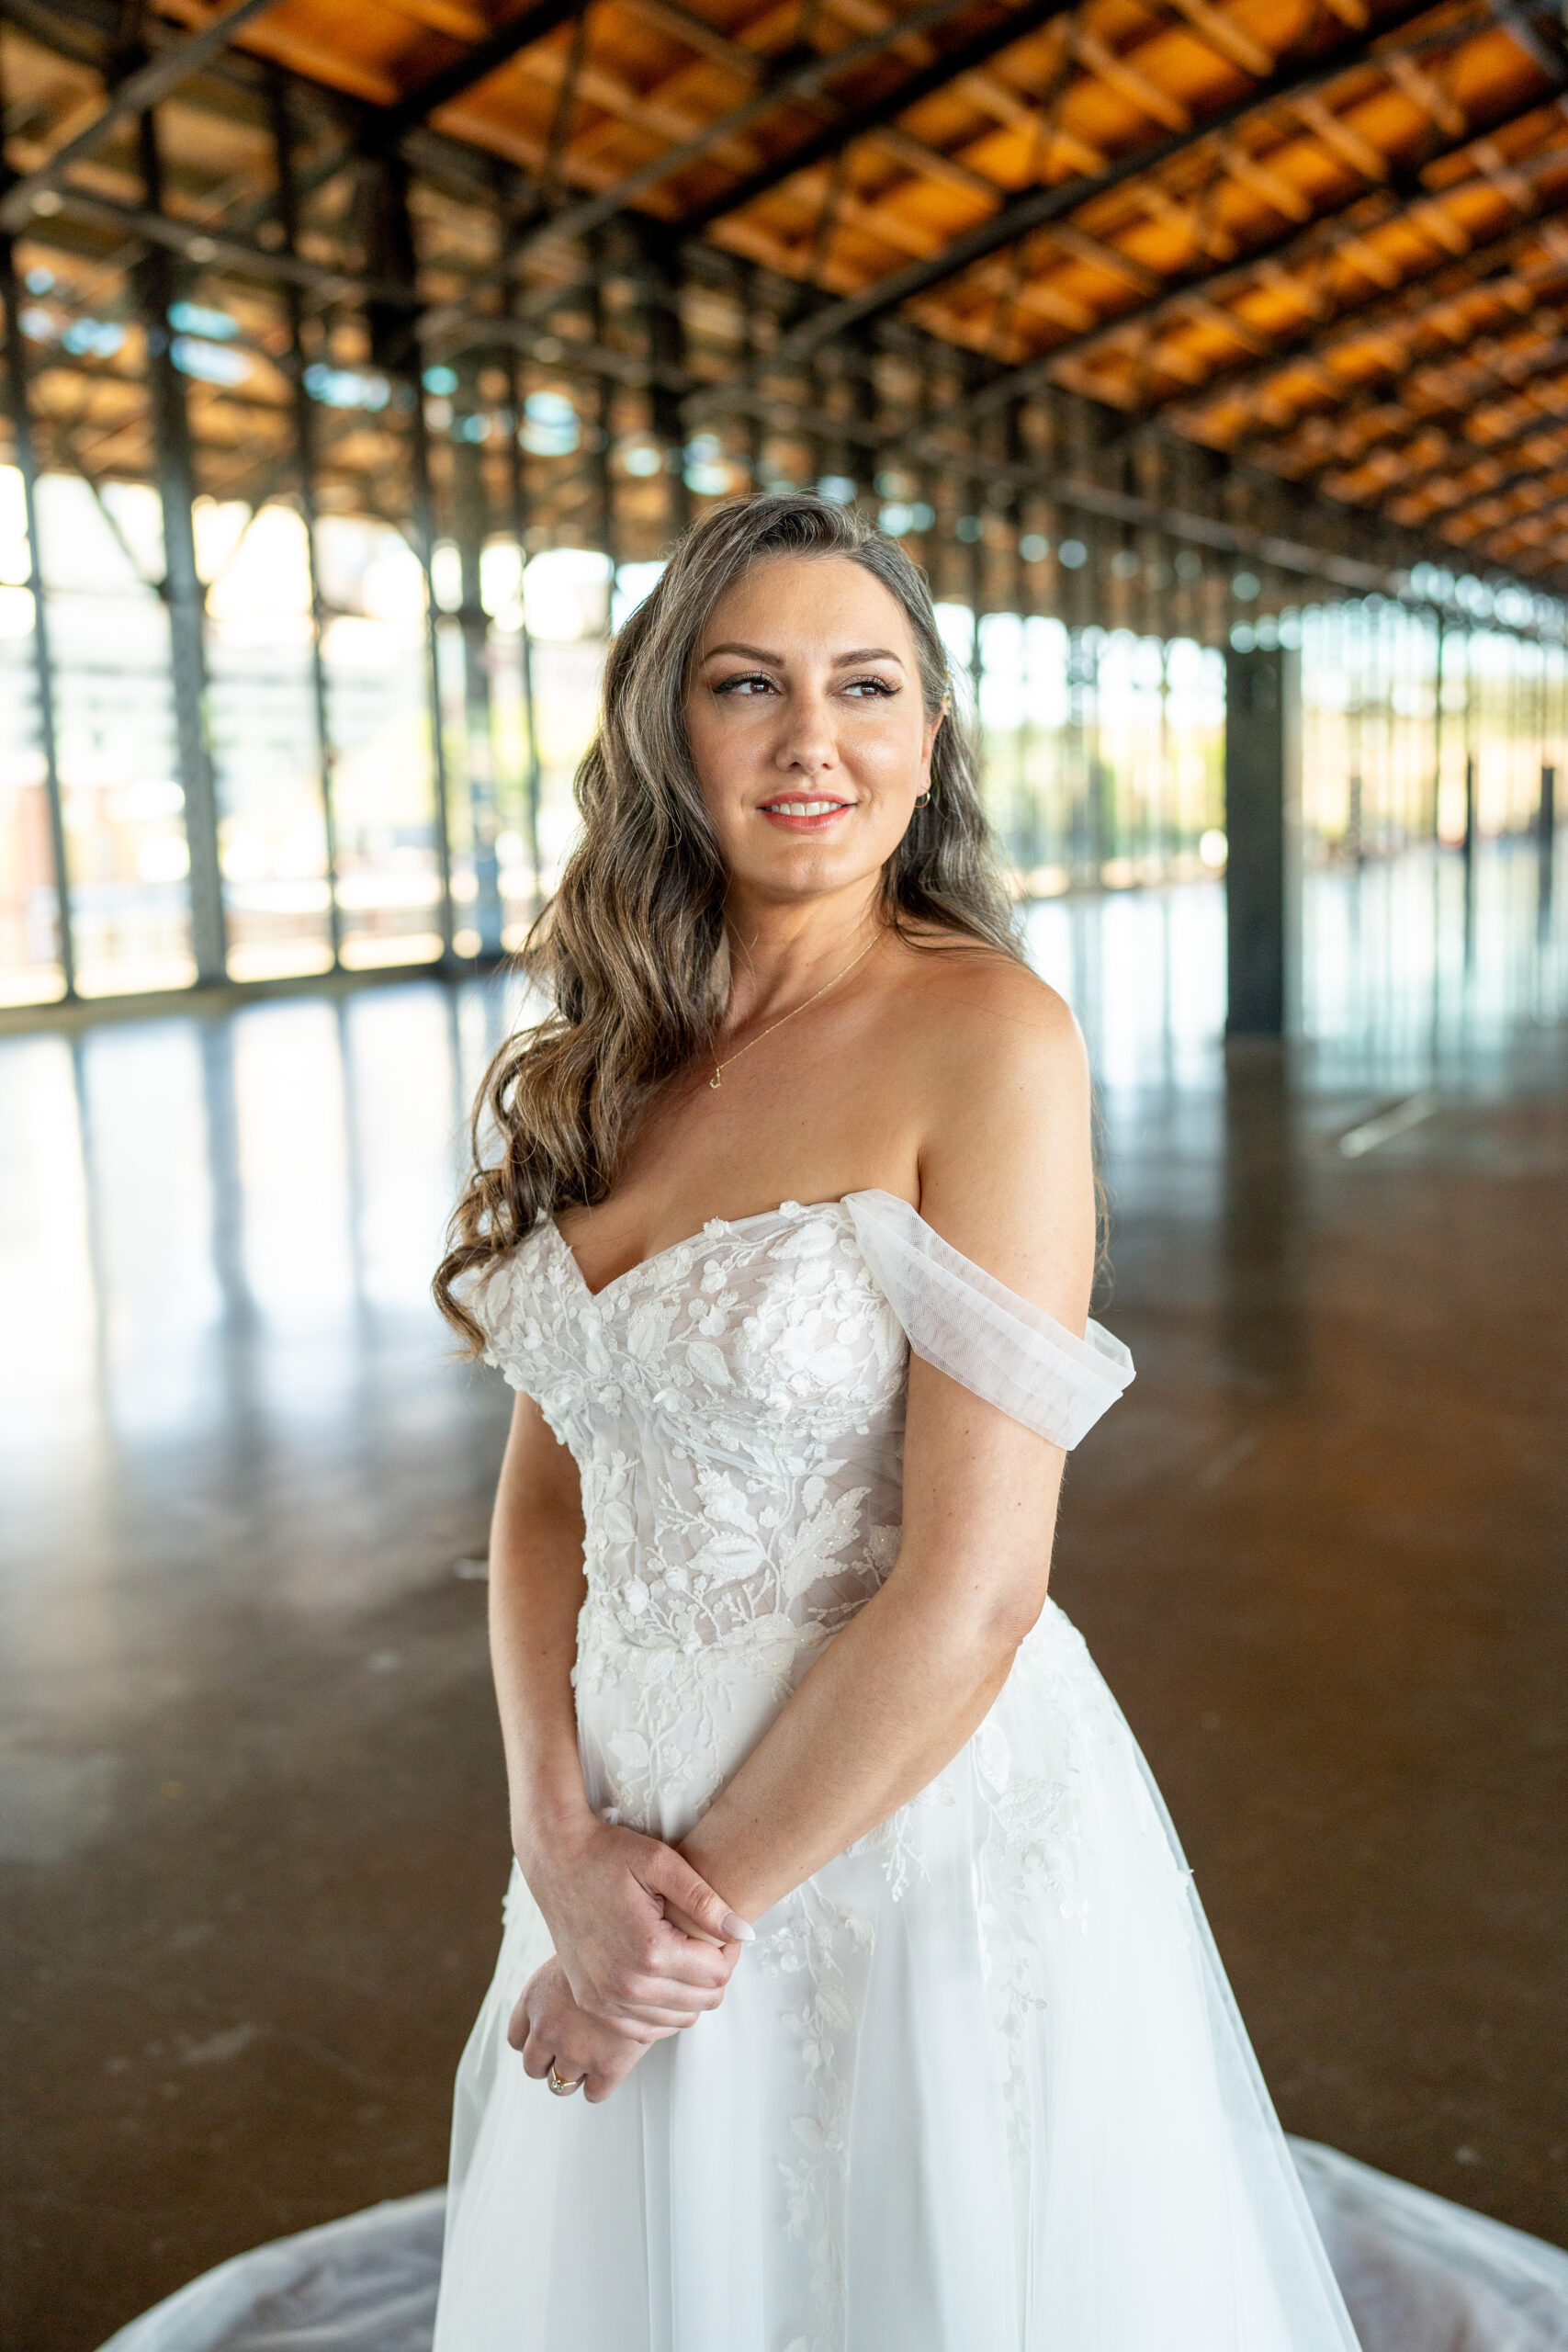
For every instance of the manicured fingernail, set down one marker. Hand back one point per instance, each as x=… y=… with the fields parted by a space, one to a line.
x=736 y=1928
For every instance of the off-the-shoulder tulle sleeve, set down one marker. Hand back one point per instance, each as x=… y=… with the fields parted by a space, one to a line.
x=983 y=1335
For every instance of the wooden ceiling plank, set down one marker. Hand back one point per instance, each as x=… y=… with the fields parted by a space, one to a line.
x=708 y=40
x=1343 y=138
x=313 y=60
x=1424 y=90
x=1222 y=33
x=1508 y=182
x=1198 y=306
x=1282 y=194
x=1101 y=255
x=917 y=157
x=1147 y=96
x=1437 y=222
x=1294 y=287
x=449 y=16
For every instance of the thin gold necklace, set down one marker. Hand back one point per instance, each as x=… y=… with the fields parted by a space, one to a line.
x=719 y=1067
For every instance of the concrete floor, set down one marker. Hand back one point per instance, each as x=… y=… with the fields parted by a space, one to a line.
x=254 y=1835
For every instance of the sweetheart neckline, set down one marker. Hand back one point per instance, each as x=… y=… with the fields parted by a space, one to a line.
x=722 y=1224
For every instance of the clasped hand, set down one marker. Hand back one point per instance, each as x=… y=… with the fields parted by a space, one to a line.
x=643 y=1947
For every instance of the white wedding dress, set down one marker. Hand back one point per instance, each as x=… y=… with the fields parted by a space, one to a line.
x=979 y=2086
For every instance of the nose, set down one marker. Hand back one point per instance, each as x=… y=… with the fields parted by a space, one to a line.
x=807 y=745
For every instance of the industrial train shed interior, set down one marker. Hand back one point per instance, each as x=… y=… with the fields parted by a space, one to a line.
x=361 y=363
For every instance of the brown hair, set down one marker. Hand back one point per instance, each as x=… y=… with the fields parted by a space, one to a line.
x=631 y=953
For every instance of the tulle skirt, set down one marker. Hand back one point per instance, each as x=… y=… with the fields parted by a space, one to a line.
x=979 y=2086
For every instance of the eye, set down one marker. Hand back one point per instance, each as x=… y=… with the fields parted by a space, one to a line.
x=746 y=682
x=871 y=685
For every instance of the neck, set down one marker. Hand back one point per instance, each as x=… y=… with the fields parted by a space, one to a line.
x=780 y=952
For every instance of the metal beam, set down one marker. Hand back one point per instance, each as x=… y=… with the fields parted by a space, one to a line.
x=134 y=95
x=1041 y=206
x=213 y=249
x=475 y=65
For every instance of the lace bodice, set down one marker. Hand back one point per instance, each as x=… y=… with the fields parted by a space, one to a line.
x=735 y=1406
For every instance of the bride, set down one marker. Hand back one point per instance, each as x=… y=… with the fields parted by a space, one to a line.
x=853 y=1996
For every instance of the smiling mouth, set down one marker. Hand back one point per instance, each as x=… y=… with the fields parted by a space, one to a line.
x=800 y=811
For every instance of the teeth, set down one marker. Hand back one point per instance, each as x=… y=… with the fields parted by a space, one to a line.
x=803 y=808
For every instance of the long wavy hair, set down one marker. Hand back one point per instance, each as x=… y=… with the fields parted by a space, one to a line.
x=631 y=955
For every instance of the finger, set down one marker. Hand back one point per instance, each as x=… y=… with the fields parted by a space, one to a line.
x=672 y=1993
x=539 y=2057
x=607 y=2074
x=653 y=2021
x=676 y=1958
x=649 y=2012
x=683 y=1920
x=669 y=1874
x=688 y=1927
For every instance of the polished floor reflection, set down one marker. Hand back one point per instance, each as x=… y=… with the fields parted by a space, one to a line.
x=251 y=1828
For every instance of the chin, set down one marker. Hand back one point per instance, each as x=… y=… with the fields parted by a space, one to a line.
x=805 y=870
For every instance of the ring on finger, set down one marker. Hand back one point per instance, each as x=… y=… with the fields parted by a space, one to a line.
x=563 y=2091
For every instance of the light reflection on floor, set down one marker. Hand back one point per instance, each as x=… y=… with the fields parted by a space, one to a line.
x=206 y=1222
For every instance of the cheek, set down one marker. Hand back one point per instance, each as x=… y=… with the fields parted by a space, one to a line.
x=890 y=751
x=725 y=741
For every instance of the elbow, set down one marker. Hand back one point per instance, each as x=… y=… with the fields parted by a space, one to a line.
x=983 y=1635
x=1009 y=1624
x=971 y=1613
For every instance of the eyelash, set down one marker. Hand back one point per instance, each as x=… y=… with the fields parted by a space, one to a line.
x=881 y=687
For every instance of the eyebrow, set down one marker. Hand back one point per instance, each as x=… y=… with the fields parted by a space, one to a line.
x=775 y=661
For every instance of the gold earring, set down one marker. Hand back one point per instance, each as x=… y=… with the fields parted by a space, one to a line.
x=923 y=800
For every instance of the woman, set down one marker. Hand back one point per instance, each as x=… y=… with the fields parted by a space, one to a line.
x=845 y=1928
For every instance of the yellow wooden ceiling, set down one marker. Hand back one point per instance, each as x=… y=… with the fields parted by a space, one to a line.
x=1324 y=239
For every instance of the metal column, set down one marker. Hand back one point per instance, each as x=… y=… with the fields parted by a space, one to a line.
x=156 y=276
x=386 y=235
x=1262 y=816
x=667 y=367
x=471 y=522
x=21 y=423
x=305 y=468
x=517 y=484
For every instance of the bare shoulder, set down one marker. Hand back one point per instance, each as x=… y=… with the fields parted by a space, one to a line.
x=1005 y=1161
x=988 y=1034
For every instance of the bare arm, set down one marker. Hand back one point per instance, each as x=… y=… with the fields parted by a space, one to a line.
x=536 y=1589
x=1006 y=1176
x=607 y=1894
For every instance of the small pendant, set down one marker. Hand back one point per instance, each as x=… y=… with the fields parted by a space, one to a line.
x=715 y=1080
